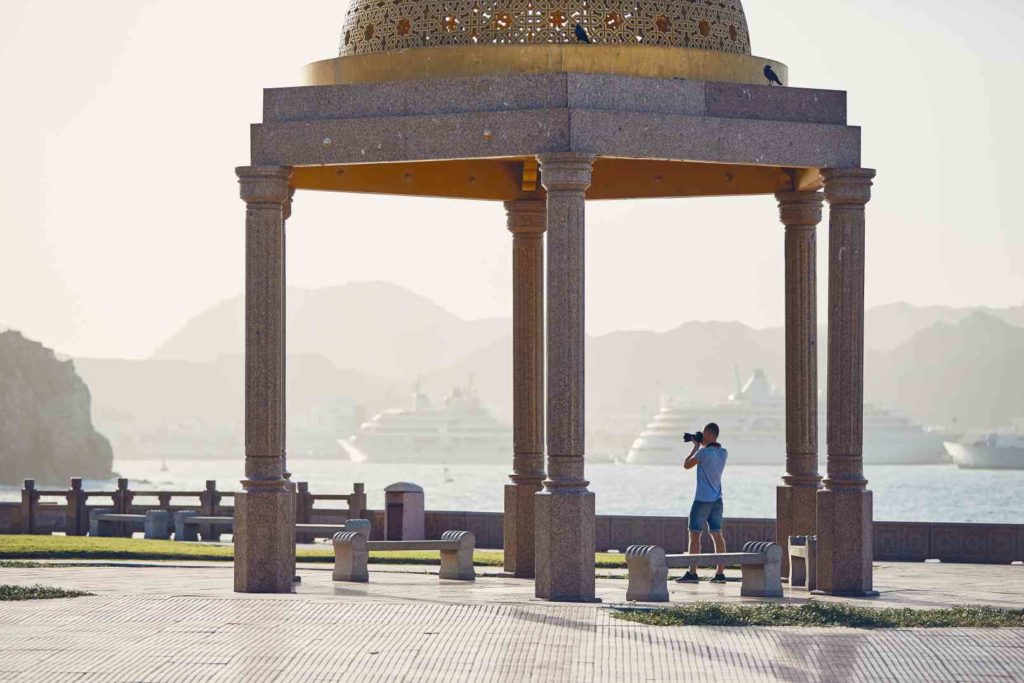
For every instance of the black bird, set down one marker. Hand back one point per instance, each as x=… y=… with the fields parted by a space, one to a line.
x=770 y=74
x=581 y=34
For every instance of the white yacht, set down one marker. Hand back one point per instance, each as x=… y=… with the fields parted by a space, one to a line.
x=753 y=422
x=459 y=431
x=999 y=450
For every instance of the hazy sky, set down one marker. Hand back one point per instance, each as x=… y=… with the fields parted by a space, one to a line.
x=122 y=122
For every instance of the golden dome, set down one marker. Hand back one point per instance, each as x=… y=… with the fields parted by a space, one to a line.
x=374 y=26
x=393 y=40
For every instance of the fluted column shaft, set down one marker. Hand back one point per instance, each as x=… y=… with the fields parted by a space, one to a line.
x=800 y=213
x=264 y=510
x=565 y=508
x=286 y=213
x=844 y=506
x=526 y=222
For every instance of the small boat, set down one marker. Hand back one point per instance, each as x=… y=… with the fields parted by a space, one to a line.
x=1002 y=449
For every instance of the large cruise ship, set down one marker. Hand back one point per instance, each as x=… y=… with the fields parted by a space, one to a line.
x=998 y=450
x=753 y=422
x=459 y=431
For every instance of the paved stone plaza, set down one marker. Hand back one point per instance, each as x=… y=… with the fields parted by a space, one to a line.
x=182 y=622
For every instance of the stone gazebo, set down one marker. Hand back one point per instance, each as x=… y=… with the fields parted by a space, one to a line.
x=499 y=101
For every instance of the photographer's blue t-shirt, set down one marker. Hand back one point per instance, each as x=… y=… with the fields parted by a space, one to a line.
x=710 y=464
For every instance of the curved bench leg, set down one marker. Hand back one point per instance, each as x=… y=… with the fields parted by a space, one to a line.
x=156 y=525
x=812 y=564
x=94 y=523
x=182 y=531
x=350 y=558
x=648 y=574
x=457 y=565
x=762 y=581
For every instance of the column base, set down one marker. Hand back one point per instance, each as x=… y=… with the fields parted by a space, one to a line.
x=845 y=542
x=264 y=538
x=796 y=514
x=520 y=528
x=565 y=546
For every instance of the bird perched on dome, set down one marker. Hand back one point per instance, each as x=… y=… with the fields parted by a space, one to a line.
x=581 y=34
x=770 y=74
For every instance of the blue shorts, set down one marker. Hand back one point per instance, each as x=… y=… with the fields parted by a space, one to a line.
x=706 y=514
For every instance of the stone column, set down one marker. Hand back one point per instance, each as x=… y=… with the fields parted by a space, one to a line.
x=795 y=507
x=565 y=508
x=286 y=213
x=527 y=222
x=844 y=505
x=265 y=509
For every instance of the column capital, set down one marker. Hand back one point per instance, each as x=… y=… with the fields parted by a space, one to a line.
x=800 y=209
x=848 y=186
x=527 y=216
x=288 y=203
x=566 y=171
x=264 y=184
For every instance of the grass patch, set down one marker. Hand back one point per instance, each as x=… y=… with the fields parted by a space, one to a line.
x=824 y=614
x=20 y=564
x=90 y=548
x=8 y=593
x=20 y=548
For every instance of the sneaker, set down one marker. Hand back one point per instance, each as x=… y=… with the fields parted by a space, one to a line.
x=718 y=578
x=688 y=577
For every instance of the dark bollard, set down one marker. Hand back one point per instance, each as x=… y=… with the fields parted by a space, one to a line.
x=29 y=497
x=76 y=517
x=209 y=502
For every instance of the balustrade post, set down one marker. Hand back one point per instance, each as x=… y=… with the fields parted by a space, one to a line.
x=29 y=497
x=209 y=501
x=357 y=502
x=123 y=505
x=303 y=509
x=76 y=519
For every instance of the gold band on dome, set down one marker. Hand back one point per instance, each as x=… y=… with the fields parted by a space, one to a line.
x=650 y=61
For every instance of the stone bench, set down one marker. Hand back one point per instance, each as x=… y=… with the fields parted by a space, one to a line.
x=803 y=560
x=187 y=523
x=352 y=552
x=648 y=565
x=155 y=523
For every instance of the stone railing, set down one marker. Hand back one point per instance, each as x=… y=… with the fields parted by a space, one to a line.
x=46 y=511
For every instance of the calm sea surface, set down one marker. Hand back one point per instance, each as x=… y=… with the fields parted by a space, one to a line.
x=929 y=493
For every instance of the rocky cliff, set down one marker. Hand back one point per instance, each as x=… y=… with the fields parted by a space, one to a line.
x=46 y=430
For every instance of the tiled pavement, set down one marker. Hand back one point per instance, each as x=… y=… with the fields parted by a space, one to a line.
x=183 y=623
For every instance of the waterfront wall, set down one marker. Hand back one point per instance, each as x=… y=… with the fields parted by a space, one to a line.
x=893 y=541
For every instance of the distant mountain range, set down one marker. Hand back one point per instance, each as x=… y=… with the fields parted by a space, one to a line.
x=360 y=348
x=970 y=373
x=374 y=328
x=891 y=325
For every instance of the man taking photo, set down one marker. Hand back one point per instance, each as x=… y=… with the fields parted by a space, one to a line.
x=706 y=510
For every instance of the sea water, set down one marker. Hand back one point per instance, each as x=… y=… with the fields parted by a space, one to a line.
x=919 y=493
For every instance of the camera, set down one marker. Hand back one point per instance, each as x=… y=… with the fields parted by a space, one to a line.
x=697 y=437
